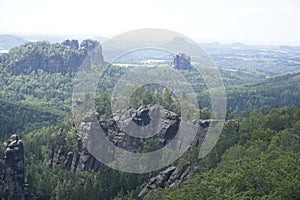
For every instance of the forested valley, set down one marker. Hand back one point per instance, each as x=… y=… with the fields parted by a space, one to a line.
x=256 y=157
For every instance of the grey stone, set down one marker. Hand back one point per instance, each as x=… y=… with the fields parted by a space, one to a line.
x=89 y=45
x=71 y=43
x=68 y=161
x=12 y=168
x=141 y=116
x=170 y=176
x=182 y=61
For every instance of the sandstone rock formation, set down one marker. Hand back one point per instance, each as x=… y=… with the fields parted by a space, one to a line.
x=164 y=127
x=175 y=174
x=71 y=43
x=53 y=58
x=89 y=45
x=76 y=162
x=182 y=61
x=170 y=176
x=12 y=168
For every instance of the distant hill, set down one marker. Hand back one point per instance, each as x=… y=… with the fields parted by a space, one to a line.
x=278 y=91
x=51 y=57
x=10 y=41
x=236 y=45
x=60 y=38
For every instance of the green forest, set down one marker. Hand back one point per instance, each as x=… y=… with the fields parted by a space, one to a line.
x=256 y=157
x=259 y=159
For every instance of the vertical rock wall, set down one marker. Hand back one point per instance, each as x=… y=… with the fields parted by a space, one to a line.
x=12 y=168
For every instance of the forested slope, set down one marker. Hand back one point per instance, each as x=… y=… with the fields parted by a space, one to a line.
x=278 y=91
x=257 y=155
x=262 y=164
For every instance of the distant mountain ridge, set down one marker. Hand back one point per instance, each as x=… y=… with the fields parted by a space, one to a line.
x=9 y=41
x=278 y=91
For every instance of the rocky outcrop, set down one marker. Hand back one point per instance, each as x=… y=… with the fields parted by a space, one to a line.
x=130 y=133
x=175 y=174
x=164 y=126
x=182 y=61
x=12 y=168
x=170 y=176
x=76 y=162
x=161 y=123
x=62 y=58
x=202 y=131
x=89 y=45
x=141 y=117
x=71 y=43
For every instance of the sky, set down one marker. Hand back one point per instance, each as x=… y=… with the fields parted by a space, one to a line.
x=274 y=22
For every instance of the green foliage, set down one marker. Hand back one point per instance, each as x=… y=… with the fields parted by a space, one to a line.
x=39 y=74
x=255 y=158
x=154 y=94
x=32 y=93
x=34 y=56
x=279 y=91
x=21 y=117
x=260 y=160
x=57 y=182
x=149 y=146
x=103 y=104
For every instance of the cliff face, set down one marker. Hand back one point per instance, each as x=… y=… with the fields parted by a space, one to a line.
x=12 y=152
x=164 y=126
x=12 y=168
x=116 y=127
x=176 y=174
x=84 y=161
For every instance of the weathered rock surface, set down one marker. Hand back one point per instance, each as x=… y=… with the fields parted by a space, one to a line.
x=130 y=133
x=61 y=58
x=141 y=116
x=89 y=45
x=12 y=168
x=71 y=43
x=162 y=124
x=77 y=162
x=182 y=61
x=170 y=176
x=174 y=174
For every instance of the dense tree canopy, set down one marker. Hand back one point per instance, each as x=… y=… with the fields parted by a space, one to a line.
x=263 y=163
x=256 y=157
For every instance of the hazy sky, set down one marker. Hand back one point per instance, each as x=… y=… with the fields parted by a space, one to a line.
x=251 y=21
